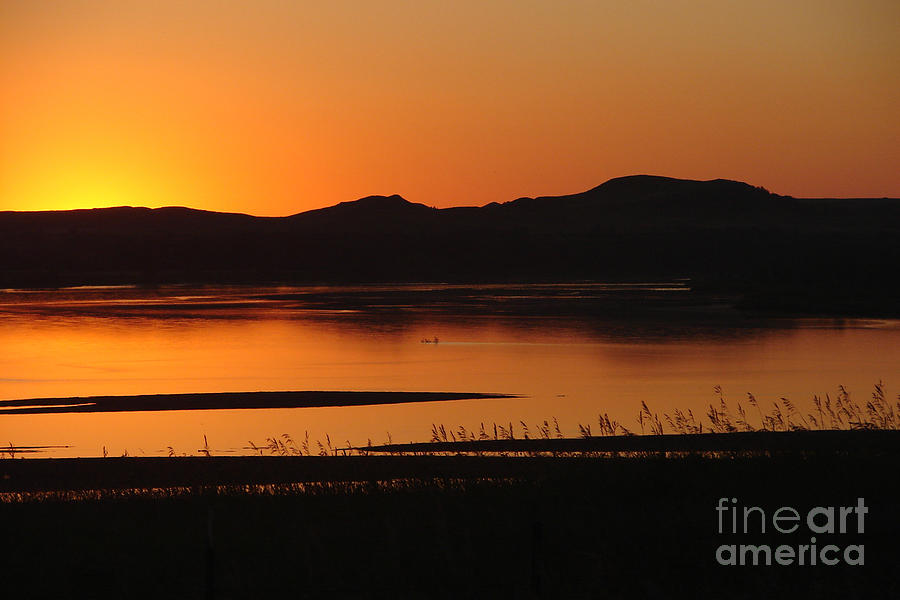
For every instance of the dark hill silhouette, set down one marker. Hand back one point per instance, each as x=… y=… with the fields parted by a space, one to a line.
x=644 y=202
x=372 y=205
x=104 y=220
x=372 y=211
x=777 y=251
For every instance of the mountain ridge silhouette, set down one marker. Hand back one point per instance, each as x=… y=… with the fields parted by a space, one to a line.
x=721 y=234
x=627 y=188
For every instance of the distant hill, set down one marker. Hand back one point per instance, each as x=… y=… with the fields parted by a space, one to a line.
x=824 y=255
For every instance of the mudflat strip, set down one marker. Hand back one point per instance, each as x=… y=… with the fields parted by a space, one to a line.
x=228 y=400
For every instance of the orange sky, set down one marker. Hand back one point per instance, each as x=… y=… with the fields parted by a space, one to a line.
x=274 y=107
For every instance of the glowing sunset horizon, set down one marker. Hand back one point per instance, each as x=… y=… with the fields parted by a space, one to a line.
x=272 y=108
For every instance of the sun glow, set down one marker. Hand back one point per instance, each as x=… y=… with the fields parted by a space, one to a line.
x=86 y=188
x=90 y=173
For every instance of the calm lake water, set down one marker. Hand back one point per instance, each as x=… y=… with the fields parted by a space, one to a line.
x=569 y=351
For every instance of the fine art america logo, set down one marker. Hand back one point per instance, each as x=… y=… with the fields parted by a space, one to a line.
x=819 y=520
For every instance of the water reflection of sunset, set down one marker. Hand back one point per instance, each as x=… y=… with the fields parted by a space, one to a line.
x=568 y=368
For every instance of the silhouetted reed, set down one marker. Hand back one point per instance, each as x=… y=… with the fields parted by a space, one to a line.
x=829 y=414
x=840 y=413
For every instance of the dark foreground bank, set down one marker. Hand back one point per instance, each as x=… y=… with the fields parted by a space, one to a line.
x=463 y=527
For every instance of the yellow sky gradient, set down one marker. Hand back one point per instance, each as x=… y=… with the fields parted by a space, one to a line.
x=275 y=107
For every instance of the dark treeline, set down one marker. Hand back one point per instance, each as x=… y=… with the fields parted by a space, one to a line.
x=777 y=252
